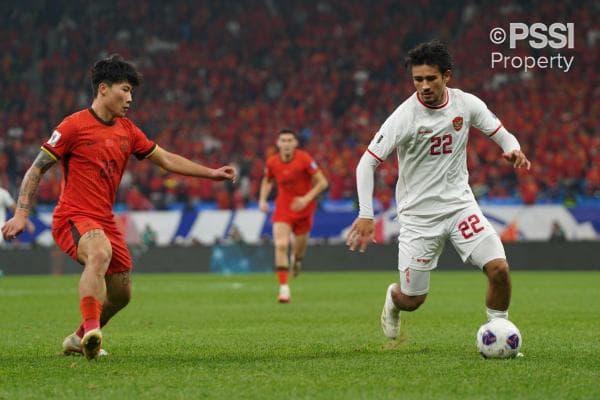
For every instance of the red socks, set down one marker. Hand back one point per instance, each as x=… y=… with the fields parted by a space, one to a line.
x=282 y=275
x=90 y=311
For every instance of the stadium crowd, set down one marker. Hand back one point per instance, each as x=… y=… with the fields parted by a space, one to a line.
x=221 y=78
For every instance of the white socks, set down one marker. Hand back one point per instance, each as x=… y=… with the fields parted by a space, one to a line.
x=493 y=314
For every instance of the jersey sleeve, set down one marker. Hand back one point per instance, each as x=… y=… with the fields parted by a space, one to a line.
x=61 y=140
x=310 y=165
x=481 y=117
x=269 y=169
x=142 y=147
x=391 y=134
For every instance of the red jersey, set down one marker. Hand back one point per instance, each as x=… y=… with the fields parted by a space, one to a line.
x=94 y=155
x=294 y=179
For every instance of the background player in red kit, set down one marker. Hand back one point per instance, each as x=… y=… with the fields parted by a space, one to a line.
x=299 y=182
x=94 y=146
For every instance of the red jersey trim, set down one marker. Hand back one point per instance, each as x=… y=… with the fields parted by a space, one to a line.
x=54 y=156
x=435 y=107
x=374 y=155
x=497 y=129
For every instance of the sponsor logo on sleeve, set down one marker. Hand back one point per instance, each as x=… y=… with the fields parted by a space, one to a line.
x=54 y=138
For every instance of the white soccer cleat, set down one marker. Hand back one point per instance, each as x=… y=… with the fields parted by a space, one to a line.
x=284 y=294
x=91 y=344
x=72 y=346
x=390 y=316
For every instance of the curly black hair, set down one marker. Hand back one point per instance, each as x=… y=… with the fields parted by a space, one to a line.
x=433 y=52
x=114 y=69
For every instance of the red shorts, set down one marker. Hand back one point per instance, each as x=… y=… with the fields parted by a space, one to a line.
x=300 y=224
x=68 y=231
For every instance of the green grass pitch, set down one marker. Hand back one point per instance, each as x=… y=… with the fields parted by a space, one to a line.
x=195 y=336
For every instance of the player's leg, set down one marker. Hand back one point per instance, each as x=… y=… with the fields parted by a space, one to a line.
x=281 y=238
x=420 y=243
x=301 y=229
x=298 y=251
x=118 y=289
x=118 y=275
x=118 y=295
x=490 y=257
x=476 y=241
x=94 y=251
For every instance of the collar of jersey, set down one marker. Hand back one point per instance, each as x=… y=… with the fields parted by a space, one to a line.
x=103 y=122
x=444 y=104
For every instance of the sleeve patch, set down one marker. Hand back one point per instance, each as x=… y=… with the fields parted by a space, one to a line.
x=54 y=138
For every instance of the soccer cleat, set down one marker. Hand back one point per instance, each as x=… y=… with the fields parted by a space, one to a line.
x=390 y=316
x=72 y=346
x=284 y=294
x=91 y=343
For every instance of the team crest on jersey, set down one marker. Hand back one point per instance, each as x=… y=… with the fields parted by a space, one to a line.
x=54 y=138
x=457 y=123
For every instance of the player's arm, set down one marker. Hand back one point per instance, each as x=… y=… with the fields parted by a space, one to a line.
x=319 y=184
x=266 y=185
x=27 y=192
x=511 y=148
x=30 y=226
x=181 y=165
x=484 y=120
x=362 y=231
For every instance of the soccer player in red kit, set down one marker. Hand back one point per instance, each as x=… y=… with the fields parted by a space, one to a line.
x=299 y=182
x=94 y=146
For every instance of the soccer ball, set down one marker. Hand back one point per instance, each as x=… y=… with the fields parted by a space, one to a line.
x=499 y=338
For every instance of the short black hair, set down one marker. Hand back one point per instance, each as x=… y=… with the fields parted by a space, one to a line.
x=433 y=52
x=114 y=69
x=288 y=131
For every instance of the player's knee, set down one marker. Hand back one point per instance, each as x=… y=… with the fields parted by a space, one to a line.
x=99 y=258
x=281 y=245
x=497 y=270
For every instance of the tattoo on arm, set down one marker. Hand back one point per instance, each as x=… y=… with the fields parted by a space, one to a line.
x=31 y=181
x=43 y=161
x=94 y=233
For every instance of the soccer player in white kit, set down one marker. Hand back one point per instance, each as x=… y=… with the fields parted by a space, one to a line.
x=429 y=132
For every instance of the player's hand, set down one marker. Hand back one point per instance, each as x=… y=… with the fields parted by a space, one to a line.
x=361 y=234
x=517 y=158
x=14 y=227
x=299 y=203
x=263 y=205
x=224 y=173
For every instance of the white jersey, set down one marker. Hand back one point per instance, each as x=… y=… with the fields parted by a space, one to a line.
x=431 y=145
x=6 y=201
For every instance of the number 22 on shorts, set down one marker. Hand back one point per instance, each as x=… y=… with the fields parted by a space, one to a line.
x=470 y=226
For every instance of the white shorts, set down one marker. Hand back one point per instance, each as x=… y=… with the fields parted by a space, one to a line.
x=422 y=238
